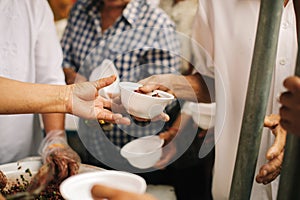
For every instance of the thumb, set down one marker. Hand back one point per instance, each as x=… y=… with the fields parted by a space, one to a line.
x=101 y=191
x=103 y=82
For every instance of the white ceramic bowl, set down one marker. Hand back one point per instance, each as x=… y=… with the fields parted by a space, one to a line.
x=143 y=152
x=143 y=105
x=79 y=187
x=204 y=114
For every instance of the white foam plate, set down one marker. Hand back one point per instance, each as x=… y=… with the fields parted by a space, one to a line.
x=78 y=187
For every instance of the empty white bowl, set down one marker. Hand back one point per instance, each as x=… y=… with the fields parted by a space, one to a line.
x=143 y=152
x=79 y=186
x=204 y=114
x=143 y=105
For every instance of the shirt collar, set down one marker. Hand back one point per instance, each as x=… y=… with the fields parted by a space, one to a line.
x=130 y=13
x=93 y=7
x=132 y=10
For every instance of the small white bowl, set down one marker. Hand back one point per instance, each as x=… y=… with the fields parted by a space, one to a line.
x=143 y=152
x=143 y=105
x=204 y=114
x=79 y=186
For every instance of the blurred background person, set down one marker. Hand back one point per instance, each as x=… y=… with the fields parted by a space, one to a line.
x=189 y=166
x=61 y=10
x=177 y=11
x=137 y=40
x=30 y=52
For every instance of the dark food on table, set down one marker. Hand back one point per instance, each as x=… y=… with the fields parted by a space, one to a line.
x=3 y=180
x=51 y=192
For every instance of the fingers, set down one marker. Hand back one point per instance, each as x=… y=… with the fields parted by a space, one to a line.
x=292 y=84
x=167 y=135
x=271 y=170
x=162 y=117
x=268 y=178
x=101 y=191
x=279 y=143
x=149 y=88
x=73 y=168
x=290 y=109
x=110 y=117
x=271 y=120
x=104 y=82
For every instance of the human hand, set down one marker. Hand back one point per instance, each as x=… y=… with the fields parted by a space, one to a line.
x=269 y=171
x=84 y=101
x=56 y=152
x=101 y=192
x=290 y=109
x=157 y=82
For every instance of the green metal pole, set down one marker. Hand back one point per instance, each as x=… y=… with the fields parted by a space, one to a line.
x=290 y=174
x=263 y=63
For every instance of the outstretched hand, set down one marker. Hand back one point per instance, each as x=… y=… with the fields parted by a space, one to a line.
x=84 y=101
x=269 y=171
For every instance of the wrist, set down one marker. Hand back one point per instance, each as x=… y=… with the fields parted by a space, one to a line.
x=65 y=98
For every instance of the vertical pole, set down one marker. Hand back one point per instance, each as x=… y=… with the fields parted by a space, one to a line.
x=290 y=173
x=263 y=63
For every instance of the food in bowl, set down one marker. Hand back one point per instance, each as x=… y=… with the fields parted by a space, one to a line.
x=152 y=94
x=143 y=152
x=19 y=174
x=143 y=105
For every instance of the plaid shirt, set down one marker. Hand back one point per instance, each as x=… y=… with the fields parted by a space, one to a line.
x=142 y=42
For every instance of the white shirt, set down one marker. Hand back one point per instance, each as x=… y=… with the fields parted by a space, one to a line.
x=226 y=29
x=184 y=22
x=30 y=52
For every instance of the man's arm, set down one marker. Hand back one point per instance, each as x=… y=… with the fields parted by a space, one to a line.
x=191 y=87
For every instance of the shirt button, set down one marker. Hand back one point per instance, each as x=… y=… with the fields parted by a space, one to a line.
x=285 y=25
x=282 y=62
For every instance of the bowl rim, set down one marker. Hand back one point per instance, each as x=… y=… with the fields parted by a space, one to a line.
x=135 y=154
x=167 y=96
x=79 y=177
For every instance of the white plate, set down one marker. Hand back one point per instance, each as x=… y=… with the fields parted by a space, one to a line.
x=78 y=187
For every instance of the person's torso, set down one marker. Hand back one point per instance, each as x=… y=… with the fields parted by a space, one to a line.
x=233 y=28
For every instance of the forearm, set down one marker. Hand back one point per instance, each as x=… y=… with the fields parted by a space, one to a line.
x=53 y=121
x=192 y=88
x=19 y=97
